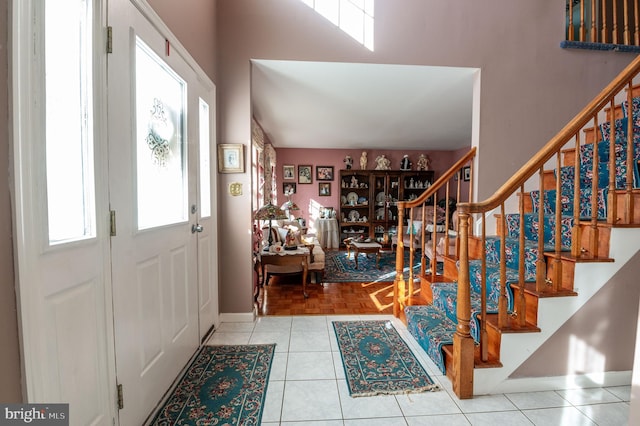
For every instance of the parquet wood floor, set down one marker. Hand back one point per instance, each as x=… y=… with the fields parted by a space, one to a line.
x=283 y=296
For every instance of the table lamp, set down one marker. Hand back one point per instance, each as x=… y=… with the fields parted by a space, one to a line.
x=269 y=212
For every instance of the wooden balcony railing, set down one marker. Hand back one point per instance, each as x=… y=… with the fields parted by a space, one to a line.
x=615 y=22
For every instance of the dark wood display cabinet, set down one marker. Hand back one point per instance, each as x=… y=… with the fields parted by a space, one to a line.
x=354 y=204
x=386 y=190
x=368 y=201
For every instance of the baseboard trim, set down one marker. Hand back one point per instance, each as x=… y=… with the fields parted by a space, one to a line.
x=575 y=381
x=238 y=317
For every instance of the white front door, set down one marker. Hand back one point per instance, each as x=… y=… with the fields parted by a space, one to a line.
x=205 y=210
x=153 y=168
x=61 y=205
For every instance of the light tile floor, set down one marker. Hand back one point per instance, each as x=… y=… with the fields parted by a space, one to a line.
x=307 y=386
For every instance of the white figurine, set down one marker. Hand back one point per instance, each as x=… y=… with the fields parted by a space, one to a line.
x=363 y=161
x=423 y=162
x=382 y=163
x=348 y=162
x=405 y=163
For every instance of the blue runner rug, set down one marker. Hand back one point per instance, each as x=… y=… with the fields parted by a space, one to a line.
x=342 y=269
x=377 y=361
x=224 y=385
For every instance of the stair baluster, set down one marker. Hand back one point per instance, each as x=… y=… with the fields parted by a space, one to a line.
x=484 y=340
x=521 y=310
x=463 y=345
x=576 y=231
x=557 y=261
x=541 y=275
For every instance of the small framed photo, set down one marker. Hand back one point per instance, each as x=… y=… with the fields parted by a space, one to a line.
x=324 y=189
x=288 y=188
x=289 y=172
x=324 y=172
x=231 y=158
x=466 y=174
x=304 y=174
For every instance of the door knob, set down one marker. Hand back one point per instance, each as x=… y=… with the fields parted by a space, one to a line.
x=196 y=228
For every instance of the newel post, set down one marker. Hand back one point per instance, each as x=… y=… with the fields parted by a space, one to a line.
x=463 y=346
x=398 y=283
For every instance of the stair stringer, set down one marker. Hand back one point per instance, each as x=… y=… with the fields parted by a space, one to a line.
x=553 y=312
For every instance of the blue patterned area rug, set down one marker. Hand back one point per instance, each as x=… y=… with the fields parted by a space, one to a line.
x=339 y=268
x=224 y=385
x=377 y=361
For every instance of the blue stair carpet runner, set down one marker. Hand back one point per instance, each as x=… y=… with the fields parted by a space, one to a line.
x=433 y=326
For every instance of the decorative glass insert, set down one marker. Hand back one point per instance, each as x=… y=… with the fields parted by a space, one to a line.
x=161 y=186
x=205 y=160
x=70 y=184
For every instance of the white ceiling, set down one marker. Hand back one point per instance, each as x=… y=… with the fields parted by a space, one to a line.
x=348 y=105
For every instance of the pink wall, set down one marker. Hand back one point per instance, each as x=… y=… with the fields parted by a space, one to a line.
x=10 y=391
x=307 y=194
x=528 y=88
x=182 y=18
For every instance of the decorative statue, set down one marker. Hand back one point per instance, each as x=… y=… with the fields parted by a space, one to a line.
x=382 y=163
x=363 y=160
x=423 y=162
x=405 y=163
x=348 y=162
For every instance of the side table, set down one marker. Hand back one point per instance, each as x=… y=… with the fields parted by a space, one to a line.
x=328 y=232
x=364 y=248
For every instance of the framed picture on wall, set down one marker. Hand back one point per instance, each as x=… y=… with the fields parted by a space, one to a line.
x=289 y=172
x=304 y=174
x=324 y=172
x=231 y=158
x=288 y=188
x=466 y=173
x=324 y=189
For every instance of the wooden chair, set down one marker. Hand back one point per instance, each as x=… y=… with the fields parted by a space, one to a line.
x=285 y=265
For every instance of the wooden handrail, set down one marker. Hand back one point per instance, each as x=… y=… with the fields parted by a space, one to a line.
x=569 y=136
x=439 y=183
x=548 y=277
x=556 y=143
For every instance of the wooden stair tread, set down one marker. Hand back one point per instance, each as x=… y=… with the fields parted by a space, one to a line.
x=530 y=288
x=431 y=278
x=599 y=223
x=492 y=362
x=512 y=325
x=417 y=300
x=583 y=258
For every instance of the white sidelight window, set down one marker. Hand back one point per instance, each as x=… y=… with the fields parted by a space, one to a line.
x=69 y=121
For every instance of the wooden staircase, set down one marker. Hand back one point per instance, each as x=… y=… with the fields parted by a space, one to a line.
x=542 y=303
